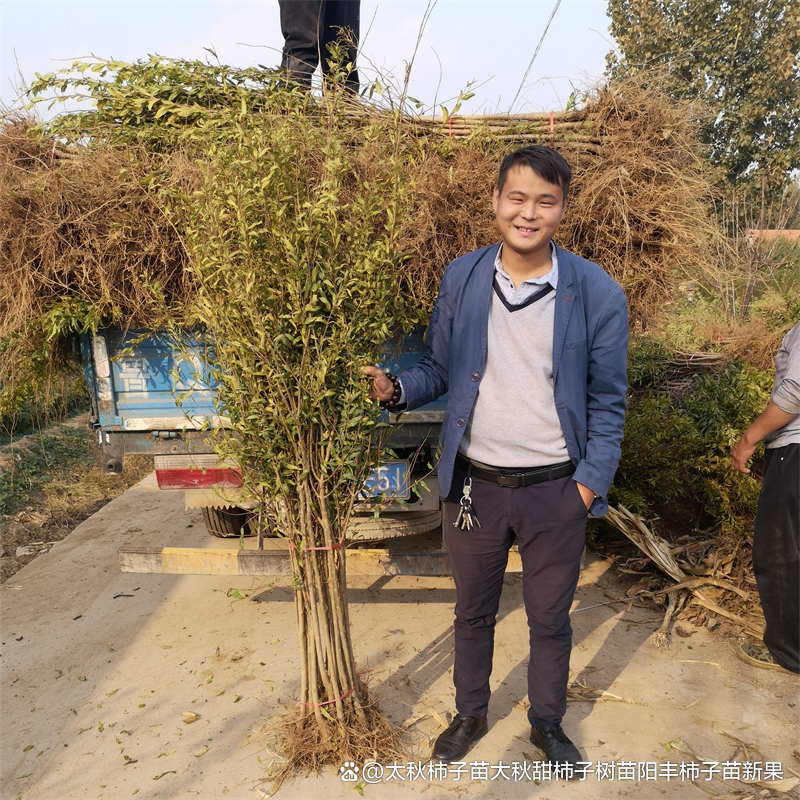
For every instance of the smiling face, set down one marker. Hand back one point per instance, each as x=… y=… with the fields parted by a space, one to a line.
x=527 y=211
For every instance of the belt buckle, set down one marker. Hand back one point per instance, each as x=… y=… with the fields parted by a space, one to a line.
x=508 y=481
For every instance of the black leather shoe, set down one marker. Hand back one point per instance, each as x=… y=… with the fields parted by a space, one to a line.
x=556 y=745
x=463 y=732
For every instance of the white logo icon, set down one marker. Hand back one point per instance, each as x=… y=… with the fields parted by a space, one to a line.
x=349 y=771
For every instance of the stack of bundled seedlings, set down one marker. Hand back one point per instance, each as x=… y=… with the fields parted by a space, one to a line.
x=87 y=223
x=80 y=224
x=82 y=243
x=644 y=202
x=639 y=201
x=569 y=128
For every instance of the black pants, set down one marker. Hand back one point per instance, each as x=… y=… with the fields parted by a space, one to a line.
x=776 y=554
x=549 y=522
x=308 y=27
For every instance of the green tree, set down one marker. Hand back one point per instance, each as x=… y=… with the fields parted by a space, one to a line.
x=737 y=61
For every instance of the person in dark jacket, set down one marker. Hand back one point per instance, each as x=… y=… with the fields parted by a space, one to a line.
x=308 y=27
x=529 y=342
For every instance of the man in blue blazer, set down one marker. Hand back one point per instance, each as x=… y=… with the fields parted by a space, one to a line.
x=529 y=342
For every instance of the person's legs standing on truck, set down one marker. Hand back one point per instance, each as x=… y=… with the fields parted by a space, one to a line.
x=308 y=27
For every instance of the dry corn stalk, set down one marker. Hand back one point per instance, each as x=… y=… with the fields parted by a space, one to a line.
x=660 y=552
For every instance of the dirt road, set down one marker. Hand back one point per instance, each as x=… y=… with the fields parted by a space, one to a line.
x=98 y=668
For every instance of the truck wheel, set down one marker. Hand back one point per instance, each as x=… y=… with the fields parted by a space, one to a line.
x=389 y=526
x=226 y=523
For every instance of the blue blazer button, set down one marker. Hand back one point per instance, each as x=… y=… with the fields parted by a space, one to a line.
x=461 y=422
x=476 y=376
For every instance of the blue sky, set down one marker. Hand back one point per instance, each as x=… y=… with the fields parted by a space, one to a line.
x=488 y=42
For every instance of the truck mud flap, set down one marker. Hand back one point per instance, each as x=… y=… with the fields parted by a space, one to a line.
x=113 y=452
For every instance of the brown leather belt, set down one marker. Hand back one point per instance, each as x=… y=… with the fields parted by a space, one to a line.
x=514 y=478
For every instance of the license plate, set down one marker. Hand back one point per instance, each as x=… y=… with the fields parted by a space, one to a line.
x=390 y=479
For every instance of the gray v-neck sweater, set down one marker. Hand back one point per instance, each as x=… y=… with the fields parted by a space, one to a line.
x=514 y=422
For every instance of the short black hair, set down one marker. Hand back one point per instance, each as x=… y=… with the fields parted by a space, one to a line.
x=544 y=161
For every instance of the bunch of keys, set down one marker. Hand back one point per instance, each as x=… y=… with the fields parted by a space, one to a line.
x=467 y=519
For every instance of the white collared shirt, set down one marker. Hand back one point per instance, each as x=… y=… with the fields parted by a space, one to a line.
x=519 y=294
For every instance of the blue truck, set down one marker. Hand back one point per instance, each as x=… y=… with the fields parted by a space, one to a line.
x=135 y=379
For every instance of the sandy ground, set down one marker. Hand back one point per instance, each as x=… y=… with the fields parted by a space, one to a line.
x=99 y=666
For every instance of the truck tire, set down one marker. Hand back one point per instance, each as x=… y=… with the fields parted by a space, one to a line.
x=226 y=523
x=389 y=526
